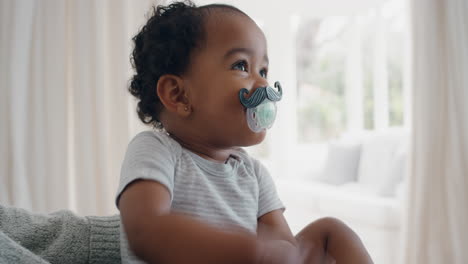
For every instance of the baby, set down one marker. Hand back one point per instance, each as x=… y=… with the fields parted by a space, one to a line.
x=188 y=192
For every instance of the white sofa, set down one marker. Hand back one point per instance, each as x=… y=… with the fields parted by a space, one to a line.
x=362 y=184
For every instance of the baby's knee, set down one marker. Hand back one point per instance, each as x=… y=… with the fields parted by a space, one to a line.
x=321 y=229
x=330 y=223
x=314 y=238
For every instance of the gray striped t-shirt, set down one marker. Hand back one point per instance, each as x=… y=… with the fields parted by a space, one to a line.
x=223 y=194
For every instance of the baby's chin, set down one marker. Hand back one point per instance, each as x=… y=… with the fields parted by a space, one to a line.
x=255 y=138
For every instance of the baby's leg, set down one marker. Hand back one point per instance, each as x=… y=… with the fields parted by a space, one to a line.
x=328 y=240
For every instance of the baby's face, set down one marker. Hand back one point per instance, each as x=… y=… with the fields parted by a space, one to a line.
x=234 y=57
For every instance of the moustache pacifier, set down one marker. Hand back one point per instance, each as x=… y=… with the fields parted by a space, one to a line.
x=261 y=106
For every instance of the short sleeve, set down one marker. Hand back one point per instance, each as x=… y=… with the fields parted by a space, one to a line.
x=268 y=199
x=150 y=156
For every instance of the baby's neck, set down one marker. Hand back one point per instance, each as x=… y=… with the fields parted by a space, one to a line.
x=205 y=151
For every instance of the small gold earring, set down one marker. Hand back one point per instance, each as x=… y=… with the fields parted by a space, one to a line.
x=186 y=108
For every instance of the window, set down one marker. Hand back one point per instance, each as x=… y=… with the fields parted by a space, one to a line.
x=350 y=73
x=321 y=55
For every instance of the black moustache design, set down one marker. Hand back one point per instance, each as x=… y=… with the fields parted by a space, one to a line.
x=259 y=95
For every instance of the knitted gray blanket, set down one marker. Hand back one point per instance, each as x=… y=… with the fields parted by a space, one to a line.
x=60 y=237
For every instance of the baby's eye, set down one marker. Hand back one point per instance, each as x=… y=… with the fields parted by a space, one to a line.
x=240 y=65
x=264 y=73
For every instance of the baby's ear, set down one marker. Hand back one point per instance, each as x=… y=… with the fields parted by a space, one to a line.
x=172 y=94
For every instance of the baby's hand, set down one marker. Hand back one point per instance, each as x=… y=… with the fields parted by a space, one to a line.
x=278 y=252
x=281 y=252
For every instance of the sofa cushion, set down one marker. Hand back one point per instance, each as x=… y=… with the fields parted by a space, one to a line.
x=342 y=163
x=360 y=203
x=396 y=172
x=301 y=194
x=377 y=153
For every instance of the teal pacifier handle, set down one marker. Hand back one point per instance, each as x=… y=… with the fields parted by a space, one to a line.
x=261 y=117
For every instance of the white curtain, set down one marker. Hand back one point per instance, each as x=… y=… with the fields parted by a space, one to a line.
x=66 y=116
x=437 y=214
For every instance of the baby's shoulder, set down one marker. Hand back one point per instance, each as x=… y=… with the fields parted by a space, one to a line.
x=156 y=141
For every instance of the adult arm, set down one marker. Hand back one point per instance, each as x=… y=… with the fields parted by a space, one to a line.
x=12 y=252
x=62 y=236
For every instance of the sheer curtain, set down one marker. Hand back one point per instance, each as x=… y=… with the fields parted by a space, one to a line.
x=66 y=116
x=437 y=215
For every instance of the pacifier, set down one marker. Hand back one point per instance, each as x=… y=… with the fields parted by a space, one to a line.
x=261 y=106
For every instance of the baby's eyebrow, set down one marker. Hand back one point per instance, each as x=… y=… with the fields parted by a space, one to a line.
x=247 y=51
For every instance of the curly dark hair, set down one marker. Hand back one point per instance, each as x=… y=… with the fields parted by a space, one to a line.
x=163 y=46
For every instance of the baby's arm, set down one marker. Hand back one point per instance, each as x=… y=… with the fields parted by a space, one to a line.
x=158 y=236
x=273 y=230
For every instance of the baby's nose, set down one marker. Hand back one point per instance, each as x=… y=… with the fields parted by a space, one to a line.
x=260 y=83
